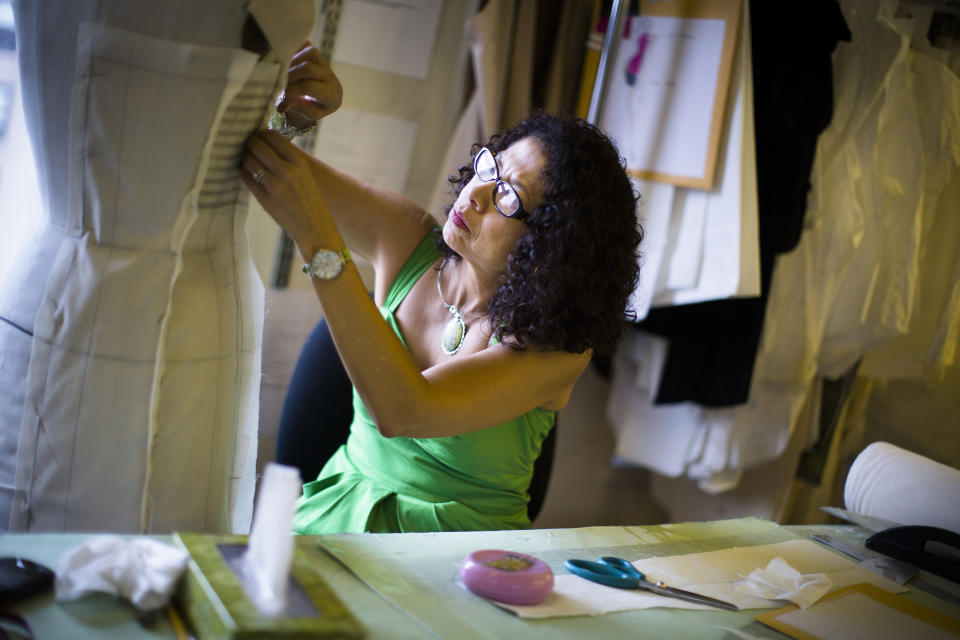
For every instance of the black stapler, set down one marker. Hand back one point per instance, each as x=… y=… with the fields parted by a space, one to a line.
x=931 y=548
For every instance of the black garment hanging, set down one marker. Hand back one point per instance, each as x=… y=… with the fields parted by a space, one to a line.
x=713 y=344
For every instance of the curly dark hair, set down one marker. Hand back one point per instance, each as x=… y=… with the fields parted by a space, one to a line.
x=569 y=278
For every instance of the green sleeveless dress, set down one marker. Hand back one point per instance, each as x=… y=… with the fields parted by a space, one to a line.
x=473 y=481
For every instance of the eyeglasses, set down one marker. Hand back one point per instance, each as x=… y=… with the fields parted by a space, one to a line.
x=505 y=197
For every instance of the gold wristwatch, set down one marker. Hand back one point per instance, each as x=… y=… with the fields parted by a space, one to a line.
x=327 y=264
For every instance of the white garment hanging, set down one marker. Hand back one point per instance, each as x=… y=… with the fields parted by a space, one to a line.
x=140 y=406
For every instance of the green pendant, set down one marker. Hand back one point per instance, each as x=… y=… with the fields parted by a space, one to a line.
x=453 y=334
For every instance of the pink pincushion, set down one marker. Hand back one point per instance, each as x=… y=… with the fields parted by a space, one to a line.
x=507 y=576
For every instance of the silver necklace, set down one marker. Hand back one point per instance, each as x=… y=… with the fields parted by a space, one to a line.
x=455 y=331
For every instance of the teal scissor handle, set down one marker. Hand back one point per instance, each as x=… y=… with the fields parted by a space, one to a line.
x=623 y=565
x=609 y=571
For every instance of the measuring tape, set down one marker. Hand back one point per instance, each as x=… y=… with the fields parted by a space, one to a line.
x=307 y=141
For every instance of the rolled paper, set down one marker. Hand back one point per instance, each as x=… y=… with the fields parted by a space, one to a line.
x=888 y=482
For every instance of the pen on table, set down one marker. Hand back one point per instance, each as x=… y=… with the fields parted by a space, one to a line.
x=633 y=67
x=177 y=623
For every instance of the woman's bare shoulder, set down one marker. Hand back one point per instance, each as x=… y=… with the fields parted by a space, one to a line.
x=396 y=247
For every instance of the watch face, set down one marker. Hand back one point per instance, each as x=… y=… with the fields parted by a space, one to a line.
x=326 y=264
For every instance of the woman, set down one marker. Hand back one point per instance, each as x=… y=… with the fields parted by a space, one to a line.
x=490 y=319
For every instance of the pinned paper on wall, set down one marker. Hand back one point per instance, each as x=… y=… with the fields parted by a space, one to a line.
x=368 y=146
x=666 y=99
x=722 y=222
x=395 y=36
x=703 y=245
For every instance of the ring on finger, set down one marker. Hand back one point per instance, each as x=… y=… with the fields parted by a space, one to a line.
x=258 y=175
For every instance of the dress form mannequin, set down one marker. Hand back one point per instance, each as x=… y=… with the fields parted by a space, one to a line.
x=130 y=359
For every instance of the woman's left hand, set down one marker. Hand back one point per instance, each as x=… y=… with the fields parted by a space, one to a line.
x=313 y=89
x=279 y=176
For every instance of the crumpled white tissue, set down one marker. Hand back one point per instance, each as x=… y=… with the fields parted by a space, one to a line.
x=780 y=581
x=142 y=570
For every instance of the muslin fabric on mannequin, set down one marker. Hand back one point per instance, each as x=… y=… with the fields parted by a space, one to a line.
x=130 y=355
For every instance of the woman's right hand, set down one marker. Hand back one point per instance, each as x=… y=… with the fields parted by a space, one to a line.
x=279 y=175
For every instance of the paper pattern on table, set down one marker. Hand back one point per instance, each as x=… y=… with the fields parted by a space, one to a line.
x=714 y=573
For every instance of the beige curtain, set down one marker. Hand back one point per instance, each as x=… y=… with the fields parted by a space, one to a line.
x=526 y=54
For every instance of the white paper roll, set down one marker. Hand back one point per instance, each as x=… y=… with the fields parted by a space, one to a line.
x=888 y=482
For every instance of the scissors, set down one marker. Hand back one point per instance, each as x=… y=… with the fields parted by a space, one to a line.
x=617 y=572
